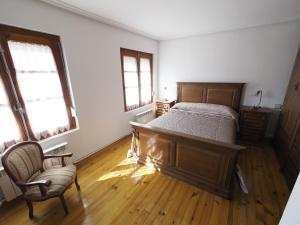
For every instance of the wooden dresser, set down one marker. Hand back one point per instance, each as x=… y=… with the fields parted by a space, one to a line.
x=292 y=166
x=288 y=130
x=253 y=124
x=162 y=107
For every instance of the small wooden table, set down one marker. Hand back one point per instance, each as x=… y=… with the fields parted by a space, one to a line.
x=163 y=106
x=253 y=124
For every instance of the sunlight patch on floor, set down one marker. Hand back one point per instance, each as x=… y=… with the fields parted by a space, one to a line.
x=127 y=161
x=143 y=171
x=150 y=165
x=134 y=171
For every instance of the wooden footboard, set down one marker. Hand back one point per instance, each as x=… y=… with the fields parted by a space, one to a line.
x=205 y=163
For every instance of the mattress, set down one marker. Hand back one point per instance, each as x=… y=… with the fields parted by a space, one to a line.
x=211 y=121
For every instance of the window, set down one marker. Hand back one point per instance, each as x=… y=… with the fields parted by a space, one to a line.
x=9 y=129
x=35 y=101
x=137 y=78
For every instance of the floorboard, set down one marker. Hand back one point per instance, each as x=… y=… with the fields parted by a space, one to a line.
x=116 y=190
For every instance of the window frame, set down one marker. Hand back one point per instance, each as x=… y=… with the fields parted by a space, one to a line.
x=138 y=55
x=11 y=33
x=12 y=100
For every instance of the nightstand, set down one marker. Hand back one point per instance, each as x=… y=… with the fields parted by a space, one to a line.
x=162 y=107
x=253 y=124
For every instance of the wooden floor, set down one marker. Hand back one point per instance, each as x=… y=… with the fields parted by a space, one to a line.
x=117 y=191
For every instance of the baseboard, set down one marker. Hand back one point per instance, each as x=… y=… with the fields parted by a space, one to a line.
x=81 y=162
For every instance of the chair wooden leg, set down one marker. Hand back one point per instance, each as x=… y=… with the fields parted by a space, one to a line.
x=76 y=183
x=30 y=207
x=63 y=202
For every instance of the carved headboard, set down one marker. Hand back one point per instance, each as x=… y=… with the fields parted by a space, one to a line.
x=228 y=94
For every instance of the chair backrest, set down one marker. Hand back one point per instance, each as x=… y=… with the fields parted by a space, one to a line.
x=22 y=160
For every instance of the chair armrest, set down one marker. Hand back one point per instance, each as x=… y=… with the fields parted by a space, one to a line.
x=69 y=154
x=33 y=183
x=62 y=156
x=40 y=183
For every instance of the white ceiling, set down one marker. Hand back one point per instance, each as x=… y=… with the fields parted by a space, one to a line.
x=169 y=19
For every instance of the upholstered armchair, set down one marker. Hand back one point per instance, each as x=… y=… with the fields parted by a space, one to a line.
x=23 y=163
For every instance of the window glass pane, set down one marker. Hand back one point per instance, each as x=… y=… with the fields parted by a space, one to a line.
x=146 y=91
x=3 y=96
x=145 y=65
x=146 y=95
x=145 y=78
x=9 y=130
x=40 y=88
x=130 y=64
x=131 y=82
x=132 y=96
x=131 y=79
x=30 y=57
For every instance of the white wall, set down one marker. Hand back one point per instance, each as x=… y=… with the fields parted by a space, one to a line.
x=291 y=214
x=262 y=57
x=92 y=50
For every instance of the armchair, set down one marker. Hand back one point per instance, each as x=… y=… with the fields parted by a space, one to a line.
x=23 y=163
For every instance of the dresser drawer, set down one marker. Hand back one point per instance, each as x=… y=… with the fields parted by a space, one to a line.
x=254 y=124
x=247 y=116
x=250 y=129
x=250 y=136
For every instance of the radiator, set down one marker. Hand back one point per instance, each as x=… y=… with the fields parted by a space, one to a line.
x=145 y=117
x=8 y=189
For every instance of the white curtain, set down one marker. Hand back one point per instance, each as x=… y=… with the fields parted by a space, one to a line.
x=145 y=77
x=131 y=82
x=9 y=130
x=40 y=88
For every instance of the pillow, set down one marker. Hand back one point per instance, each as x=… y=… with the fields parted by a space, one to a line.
x=206 y=108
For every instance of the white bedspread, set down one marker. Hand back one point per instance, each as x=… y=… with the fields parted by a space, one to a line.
x=210 y=121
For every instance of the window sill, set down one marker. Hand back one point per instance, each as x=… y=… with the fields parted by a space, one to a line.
x=58 y=135
x=140 y=108
x=46 y=148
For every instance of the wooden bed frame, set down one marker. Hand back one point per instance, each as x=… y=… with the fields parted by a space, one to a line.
x=206 y=163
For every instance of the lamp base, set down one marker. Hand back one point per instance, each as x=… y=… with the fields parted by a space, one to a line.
x=256 y=107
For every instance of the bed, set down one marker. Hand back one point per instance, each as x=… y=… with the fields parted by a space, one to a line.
x=195 y=141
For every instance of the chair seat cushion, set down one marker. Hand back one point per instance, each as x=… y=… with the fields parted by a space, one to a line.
x=61 y=178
